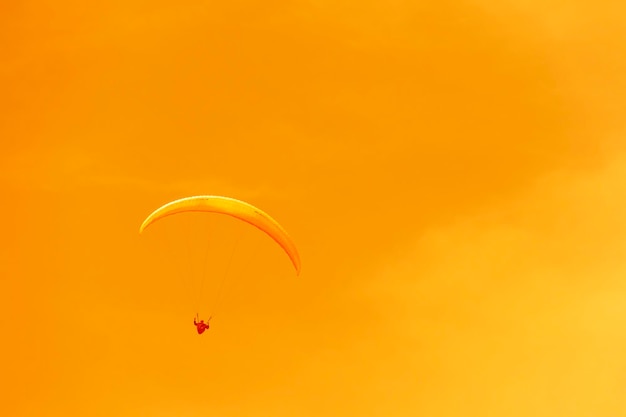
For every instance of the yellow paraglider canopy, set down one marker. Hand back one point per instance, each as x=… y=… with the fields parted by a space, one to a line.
x=232 y=207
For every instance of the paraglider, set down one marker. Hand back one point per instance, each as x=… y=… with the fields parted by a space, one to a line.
x=201 y=326
x=234 y=208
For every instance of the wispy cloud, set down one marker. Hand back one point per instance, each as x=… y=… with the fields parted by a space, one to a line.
x=67 y=169
x=517 y=296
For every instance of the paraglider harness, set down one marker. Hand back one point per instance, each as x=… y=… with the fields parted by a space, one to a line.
x=201 y=325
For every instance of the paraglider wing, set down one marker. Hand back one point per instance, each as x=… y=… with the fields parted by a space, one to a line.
x=232 y=207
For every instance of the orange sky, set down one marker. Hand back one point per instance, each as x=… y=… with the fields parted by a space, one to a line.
x=453 y=174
